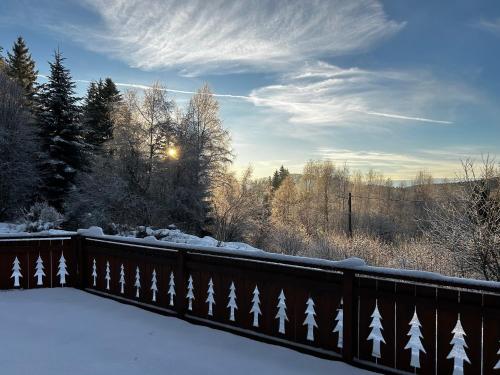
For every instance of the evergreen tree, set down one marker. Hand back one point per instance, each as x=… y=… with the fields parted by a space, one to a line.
x=210 y=298
x=61 y=134
x=171 y=288
x=2 y=62
x=255 y=307
x=279 y=176
x=21 y=67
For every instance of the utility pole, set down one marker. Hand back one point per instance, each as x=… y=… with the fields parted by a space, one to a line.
x=350 y=215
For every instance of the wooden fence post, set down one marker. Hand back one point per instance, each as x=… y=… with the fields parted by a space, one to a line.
x=181 y=283
x=79 y=261
x=350 y=316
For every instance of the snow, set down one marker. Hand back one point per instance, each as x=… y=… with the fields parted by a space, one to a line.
x=68 y=331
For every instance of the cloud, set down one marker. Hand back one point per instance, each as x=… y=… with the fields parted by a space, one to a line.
x=324 y=94
x=490 y=25
x=216 y=36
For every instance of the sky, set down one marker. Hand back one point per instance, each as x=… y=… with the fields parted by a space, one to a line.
x=394 y=86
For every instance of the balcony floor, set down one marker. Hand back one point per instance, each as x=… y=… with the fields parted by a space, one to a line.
x=67 y=331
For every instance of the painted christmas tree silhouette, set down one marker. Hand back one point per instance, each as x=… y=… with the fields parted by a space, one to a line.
x=255 y=307
x=154 y=287
x=281 y=315
x=94 y=272
x=210 y=298
x=232 y=301
x=137 y=283
x=39 y=274
x=415 y=341
x=122 y=279
x=339 y=327
x=171 y=288
x=108 y=275
x=497 y=366
x=376 y=332
x=457 y=352
x=62 y=271
x=310 y=321
x=16 y=273
x=190 y=294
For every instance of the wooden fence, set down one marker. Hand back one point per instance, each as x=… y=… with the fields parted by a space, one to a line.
x=386 y=320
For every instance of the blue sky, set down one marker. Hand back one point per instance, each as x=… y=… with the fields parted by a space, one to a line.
x=397 y=86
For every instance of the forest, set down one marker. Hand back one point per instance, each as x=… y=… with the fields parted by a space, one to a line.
x=136 y=159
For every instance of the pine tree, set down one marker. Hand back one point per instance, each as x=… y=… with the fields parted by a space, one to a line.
x=108 y=275
x=122 y=279
x=457 y=352
x=171 y=288
x=376 y=332
x=94 y=272
x=281 y=315
x=210 y=298
x=231 y=305
x=310 y=321
x=255 y=307
x=62 y=272
x=2 y=61
x=415 y=342
x=137 y=282
x=154 y=287
x=339 y=327
x=39 y=274
x=60 y=132
x=21 y=67
x=190 y=294
x=16 y=273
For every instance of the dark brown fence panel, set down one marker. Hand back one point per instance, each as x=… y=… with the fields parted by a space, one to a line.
x=27 y=252
x=491 y=339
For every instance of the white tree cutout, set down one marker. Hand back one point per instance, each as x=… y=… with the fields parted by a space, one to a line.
x=231 y=305
x=210 y=298
x=94 y=272
x=255 y=307
x=339 y=327
x=39 y=274
x=171 y=288
x=137 y=283
x=122 y=279
x=154 y=287
x=190 y=294
x=16 y=272
x=457 y=352
x=108 y=275
x=281 y=315
x=62 y=270
x=497 y=366
x=376 y=332
x=310 y=321
x=415 y=341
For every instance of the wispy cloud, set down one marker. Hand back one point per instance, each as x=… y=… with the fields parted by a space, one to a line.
x=219 y=35
x=325 y=94
x=490 y=25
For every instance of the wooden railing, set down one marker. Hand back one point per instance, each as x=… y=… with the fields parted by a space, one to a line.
x=386 y=320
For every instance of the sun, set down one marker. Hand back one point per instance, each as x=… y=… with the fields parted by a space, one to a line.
x=172 y=153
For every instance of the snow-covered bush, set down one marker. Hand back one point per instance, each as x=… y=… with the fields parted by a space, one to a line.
x=40 y=217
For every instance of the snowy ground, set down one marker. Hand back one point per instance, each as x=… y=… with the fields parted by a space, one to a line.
x=67 y=331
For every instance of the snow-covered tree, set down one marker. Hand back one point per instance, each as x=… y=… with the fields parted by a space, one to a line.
x=108 y=275
x=21 y=67
x=310 y=321
x=255 y=307
x=122 y=279
x=232 y=301
x=190 y=294
x=415 y=342
x=137 y=282
x=94 y=272
x=457 y=352
x=39 y=274
x=210 y=298
x=376 y=332
x=281 y=315
x=62 y=270
x=497 y=366
x=339 y=327
x=154 y=287
x=16 y=273
x=171 y=288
